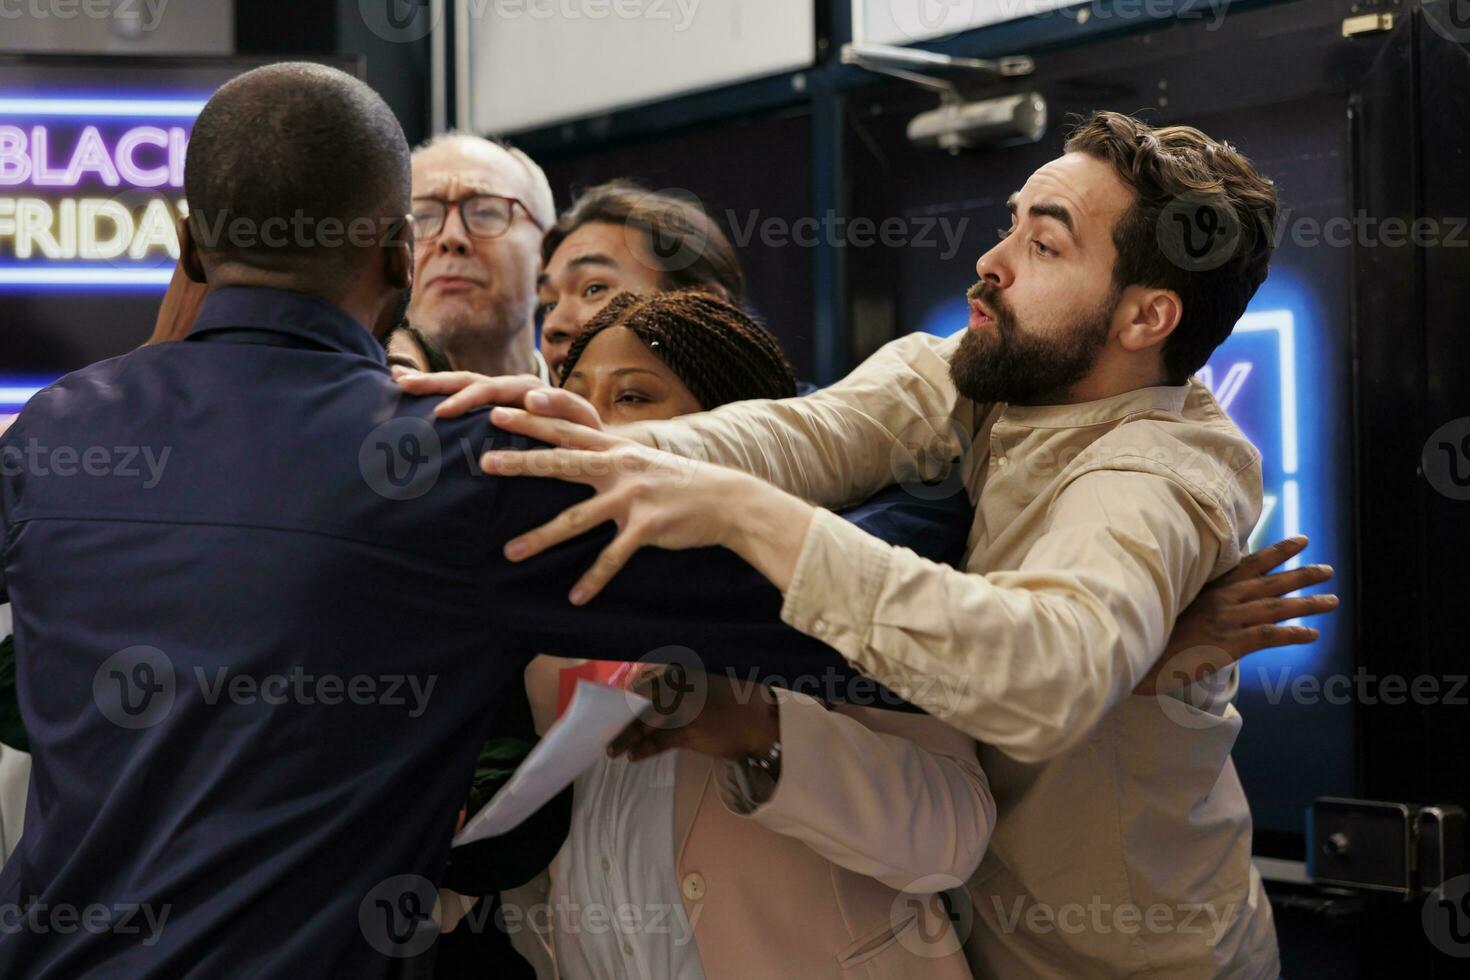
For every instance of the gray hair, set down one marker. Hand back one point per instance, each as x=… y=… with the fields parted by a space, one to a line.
x=542 y=203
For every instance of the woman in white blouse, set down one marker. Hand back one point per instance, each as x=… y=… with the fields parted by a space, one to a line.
x=733 y=857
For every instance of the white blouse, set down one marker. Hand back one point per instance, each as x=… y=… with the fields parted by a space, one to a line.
x=615 y=904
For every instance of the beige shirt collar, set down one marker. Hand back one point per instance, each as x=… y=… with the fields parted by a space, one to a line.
x=1163 y=398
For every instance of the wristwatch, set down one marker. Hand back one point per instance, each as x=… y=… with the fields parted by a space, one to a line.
x=770 y=763
x=764 y=771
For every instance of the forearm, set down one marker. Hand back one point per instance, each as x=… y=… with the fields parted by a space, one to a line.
x=1027 y=660
x=1017 y=668
x=718 y=601
x=840 y=445
x=766 y=526
x=880 y=804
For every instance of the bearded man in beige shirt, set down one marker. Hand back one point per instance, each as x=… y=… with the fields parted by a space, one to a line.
x=1111 y=487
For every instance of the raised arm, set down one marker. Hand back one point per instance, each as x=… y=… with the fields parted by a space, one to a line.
x=1026 y=660
x=894 y=418
x=707 y=601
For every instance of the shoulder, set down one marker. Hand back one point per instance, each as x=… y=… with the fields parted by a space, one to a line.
x=1198 y=447
x=919 y=350
x=1196 y=455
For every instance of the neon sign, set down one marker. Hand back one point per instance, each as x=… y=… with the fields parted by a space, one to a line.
x=1258 y=375
x=1263 y=344
x=26 y=157
x=15 y=392
x=85 y=181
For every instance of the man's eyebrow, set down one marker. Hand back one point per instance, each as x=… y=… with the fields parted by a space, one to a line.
x=591 y=258
x=1046 y=209
x=1050 y=209
x=433 y=186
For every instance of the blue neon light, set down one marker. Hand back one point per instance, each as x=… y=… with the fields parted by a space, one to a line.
x=16 y=390
x=84 y=276
x=1273 y=375
x=17 y=396
x=1268 y=410
x=103 y=107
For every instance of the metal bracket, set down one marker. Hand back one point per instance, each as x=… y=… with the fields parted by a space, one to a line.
x=1400 y=848
x=905 y=63
x=1367 y=24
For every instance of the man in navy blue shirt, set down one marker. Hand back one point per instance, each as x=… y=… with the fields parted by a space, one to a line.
x=262 y=614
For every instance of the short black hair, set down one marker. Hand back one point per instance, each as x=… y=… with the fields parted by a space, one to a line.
x=434 y=357
x=285 y=159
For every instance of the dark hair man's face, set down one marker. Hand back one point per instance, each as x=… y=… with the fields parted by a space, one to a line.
x=1042 y=313
x=592 y=265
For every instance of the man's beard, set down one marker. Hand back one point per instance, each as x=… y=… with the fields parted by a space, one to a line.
x=1024 y=368
x=467 y=326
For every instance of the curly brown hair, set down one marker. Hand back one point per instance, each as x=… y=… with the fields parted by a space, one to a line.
x=720 y=353
x=1201 y=225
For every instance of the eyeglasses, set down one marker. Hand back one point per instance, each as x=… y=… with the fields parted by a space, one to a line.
x=484 y=215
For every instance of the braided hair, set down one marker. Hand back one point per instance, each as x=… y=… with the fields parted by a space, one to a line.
x=720 y=353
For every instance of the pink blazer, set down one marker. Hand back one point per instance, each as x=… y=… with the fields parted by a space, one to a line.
x=837 y=874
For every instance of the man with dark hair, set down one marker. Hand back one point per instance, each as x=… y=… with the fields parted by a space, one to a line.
x=620 y=237
x=249 y=759
x=262 y=205
x=1199 y=224
x=1110 y=489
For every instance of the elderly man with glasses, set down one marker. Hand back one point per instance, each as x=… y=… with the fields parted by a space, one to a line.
x=479 y=211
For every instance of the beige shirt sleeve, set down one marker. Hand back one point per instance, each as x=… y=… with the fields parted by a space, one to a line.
x=1028 y=660
x=841 y=445
x=892 y=795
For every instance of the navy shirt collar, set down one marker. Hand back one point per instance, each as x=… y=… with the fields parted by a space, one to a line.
x=283 y=311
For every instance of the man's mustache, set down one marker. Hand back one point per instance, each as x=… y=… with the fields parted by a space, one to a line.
x=453 y=269
x=988 y=294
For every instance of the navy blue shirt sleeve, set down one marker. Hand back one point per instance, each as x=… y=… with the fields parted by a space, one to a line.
x=707 y=601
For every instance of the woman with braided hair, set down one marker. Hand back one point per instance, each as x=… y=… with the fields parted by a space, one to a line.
x=711 y=352
x=778 y=840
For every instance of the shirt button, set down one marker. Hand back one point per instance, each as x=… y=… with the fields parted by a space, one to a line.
x=694 y=886
x=606 y=865
x=627 y=949
x=820 y=627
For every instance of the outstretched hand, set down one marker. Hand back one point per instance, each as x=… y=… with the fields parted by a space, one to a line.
x=654 y=498
x=1241 y=613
